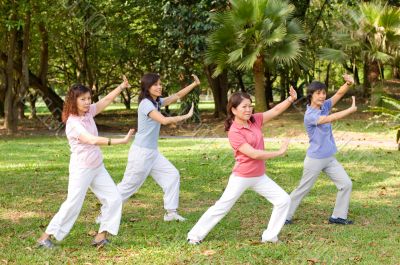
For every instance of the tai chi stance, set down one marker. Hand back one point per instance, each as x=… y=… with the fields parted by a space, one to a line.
x=144 y=159
x=246 y=138
x=320 y=153
x=86 y=168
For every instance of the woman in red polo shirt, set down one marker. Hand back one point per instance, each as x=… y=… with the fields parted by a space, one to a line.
x=246 y=138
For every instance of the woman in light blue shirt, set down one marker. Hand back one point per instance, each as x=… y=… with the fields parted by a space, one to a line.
x=144 y=158
x=320 y=154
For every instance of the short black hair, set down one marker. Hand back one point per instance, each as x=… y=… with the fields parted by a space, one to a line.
x=312 y=87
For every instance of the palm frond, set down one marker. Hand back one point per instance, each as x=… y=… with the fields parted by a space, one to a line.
x=333 y=55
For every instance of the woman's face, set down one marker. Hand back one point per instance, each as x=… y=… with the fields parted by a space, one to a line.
x=156 y=90
x=83 y=103
x=318 y=98
x=244 y=110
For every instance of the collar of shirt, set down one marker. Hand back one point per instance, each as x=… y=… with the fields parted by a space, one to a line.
x=241 y=126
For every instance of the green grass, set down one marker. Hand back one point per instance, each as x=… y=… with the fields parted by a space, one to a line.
x=33 y=184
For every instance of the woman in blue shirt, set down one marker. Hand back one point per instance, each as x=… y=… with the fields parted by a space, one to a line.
x=320 y=154
x=144 y=158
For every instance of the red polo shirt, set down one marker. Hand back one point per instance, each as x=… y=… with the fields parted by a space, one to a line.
x=245 y=166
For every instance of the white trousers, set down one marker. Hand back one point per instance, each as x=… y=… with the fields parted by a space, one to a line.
x=236 y=186
x=143 y=162
x=102 y=185
x=312 y=169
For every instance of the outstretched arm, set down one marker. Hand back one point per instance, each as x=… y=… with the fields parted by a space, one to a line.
x=249 y=151
x=343 y=89
x=157 y=116
x=181 y=93
x=104 y=102
x=281 y=107
x=338 y=115
x=88 y=138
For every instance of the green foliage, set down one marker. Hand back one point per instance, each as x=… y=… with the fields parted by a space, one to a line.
x=253 y=29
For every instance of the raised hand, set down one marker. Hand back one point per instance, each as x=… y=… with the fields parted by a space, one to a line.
x=125 y=83
x=190 y=113
x=293 y=94
x=284 y=146
x=128 y=136
x=348 y=79
x=196 y=79
x=353 y=104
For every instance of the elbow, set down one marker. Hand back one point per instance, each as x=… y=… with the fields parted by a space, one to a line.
x=165 y=122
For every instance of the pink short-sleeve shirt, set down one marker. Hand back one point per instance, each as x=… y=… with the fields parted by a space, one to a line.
x=83 y=155
x=238 y=134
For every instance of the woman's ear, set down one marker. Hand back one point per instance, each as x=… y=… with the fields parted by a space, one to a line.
x=233 y=111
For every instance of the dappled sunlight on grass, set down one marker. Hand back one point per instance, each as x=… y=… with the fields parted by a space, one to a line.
x=34 y=179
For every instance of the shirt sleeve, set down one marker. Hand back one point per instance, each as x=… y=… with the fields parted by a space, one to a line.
x=146 y=106
x=92 y=110
x=311 y=118
x=74 y=129
x=236 y=139
x=328 y=104
x=258 y=117
x=162 y=101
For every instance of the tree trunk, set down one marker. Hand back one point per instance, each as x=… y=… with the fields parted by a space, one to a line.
x=269 y=97
x=32 y=97
x=2 y=89
x=219 y=88
x=328 y=69
x=284 y=85
x=10 y=109
x=52 y=100
x=259 y=88
x=395 y=72
x=366 y=84
x=240 y=80
x=25 y=67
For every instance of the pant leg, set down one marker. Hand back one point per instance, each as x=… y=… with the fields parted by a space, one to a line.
x=78 y=183
x=236 y=186
x=106 y=191
x=267 y=188
x=140 y=162
x=344 y=185
x=311 y=171
x=167 y=176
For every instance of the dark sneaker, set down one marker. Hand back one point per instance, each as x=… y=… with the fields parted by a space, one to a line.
x=101 y=243
x=288 y=222
x=340 y=221
x=45 y=244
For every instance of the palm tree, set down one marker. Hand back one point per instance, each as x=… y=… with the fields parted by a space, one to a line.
x=252 y=33
x=370 y=34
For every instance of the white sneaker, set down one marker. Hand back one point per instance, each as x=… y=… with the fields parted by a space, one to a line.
x=274 y=240
x=193 y=241
x=173 y=216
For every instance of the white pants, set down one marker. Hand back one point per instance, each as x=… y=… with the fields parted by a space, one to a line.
x=312 y=169
x=143 y=162
x=236 y=186
x=102 y=185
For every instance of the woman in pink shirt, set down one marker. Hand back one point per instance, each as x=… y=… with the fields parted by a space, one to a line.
x=86 y=168
x=246 y=138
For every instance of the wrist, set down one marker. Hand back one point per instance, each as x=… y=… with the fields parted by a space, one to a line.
x=290 y=99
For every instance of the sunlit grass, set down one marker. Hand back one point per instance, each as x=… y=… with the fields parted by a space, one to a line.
x=33 y=184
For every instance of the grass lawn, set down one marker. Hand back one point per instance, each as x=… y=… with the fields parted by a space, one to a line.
x=33 y=184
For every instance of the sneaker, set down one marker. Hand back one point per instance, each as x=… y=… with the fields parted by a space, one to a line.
x=340 y=221
x=101 y=243
x=288 y=222
x=274 y=240
x=194 y=242
x=46 y=243
x=173 y=216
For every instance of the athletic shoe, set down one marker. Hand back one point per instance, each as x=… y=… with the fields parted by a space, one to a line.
x=46 y=243
x=340 y=221
x=194 y=242
x=173 y=216
x=101 y=243
x=288 y=222
x=273 y=240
